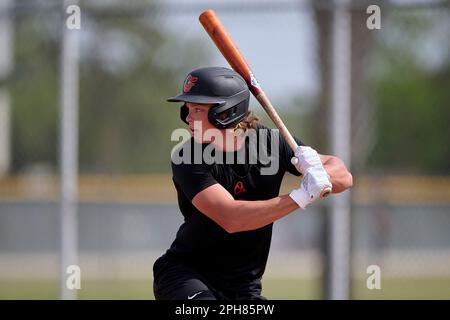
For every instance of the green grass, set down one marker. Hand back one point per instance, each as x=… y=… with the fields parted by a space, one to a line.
x=90 y=289
x=405 y=288
x=291 y=289
x=274 y=289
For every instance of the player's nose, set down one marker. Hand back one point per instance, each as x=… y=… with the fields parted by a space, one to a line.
x=189 y=118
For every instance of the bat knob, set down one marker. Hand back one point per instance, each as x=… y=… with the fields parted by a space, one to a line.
x=325 y=192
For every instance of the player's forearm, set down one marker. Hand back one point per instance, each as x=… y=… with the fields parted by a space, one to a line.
x=251 y=215
x=340 y=177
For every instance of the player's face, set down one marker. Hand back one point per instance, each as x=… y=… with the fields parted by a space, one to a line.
x=198 y=121
x=204 y=132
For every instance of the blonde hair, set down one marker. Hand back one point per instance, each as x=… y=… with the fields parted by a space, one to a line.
x=249 y=122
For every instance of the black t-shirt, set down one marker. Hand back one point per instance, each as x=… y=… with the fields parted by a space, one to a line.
x=226 y=259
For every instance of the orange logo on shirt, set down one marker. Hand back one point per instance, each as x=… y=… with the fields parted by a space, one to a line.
x=239 y=188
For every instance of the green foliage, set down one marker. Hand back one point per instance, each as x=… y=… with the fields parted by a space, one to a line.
x=129 y=67
x=34 y=98
x=125 y=122
x=413 y=123
x=413 y=102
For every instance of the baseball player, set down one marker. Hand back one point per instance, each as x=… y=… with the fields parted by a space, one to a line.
x=220 y=251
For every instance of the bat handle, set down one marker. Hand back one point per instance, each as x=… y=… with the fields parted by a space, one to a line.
x=270 y=110
x=268 y=107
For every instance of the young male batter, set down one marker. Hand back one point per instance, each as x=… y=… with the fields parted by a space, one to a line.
x=221 y=249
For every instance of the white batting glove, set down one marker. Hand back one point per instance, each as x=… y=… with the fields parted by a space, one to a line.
x=314 y=181
x=305 y=158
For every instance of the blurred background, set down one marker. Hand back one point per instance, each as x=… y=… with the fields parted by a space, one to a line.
x=133 y=55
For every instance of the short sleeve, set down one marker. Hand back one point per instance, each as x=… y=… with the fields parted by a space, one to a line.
x=192 y=178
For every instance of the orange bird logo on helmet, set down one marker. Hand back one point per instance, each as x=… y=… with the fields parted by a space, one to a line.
x=189 y=83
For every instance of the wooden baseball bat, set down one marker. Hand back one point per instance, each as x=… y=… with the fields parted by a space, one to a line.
x=230 y=51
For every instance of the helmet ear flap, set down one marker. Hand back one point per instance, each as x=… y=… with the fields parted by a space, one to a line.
x=223 y=89
x=228 y=114
x=184 y=111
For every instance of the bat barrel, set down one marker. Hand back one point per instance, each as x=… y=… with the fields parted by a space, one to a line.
x=228 y=48
x=230 y=51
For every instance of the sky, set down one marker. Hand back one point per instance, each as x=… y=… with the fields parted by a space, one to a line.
x=279 y=46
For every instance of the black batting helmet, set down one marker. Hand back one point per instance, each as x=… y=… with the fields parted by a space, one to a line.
x=222 y=87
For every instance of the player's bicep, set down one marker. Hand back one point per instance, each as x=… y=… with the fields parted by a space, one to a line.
x=216 y=203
